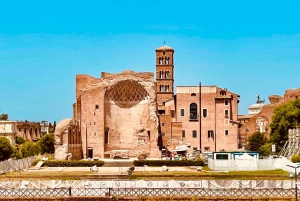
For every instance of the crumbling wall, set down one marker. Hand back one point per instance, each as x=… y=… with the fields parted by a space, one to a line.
x=61 y=139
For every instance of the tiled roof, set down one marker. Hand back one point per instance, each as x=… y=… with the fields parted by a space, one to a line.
x=164 y=47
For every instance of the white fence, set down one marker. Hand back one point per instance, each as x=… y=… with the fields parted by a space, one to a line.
x=235 y=165
x=16 y=165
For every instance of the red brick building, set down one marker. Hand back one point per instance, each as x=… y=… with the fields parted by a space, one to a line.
x=132 y=111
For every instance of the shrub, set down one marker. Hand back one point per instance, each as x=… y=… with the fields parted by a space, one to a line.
x=66 y=163
x=156 y=163
x=295 y=158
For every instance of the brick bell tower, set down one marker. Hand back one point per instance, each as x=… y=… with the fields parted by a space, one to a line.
x=164 y=76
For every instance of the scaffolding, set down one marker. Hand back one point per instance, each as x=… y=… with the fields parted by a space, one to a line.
x=292 y=146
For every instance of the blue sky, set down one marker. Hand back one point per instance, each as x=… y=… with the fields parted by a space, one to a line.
x=248 y=47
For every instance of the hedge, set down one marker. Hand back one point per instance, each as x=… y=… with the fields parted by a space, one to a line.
x=65 y=163
x=168 y=162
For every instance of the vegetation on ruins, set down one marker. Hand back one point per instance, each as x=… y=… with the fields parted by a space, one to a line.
x=286 y=116
x=4 y=117
x=5 y=149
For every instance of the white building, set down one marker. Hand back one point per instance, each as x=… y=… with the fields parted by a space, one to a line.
x=8 y=129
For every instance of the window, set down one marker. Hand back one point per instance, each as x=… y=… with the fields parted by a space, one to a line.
x=222 y=156
x=183 y=133
x=226 y=132
x=161 y=74
x=182 y=112
x=167 y=60
x=226 y=121
x=96 y=107
x=204 y=112
x=226 y=113
x=94 y=123
x=162 y=124
x=207 y=149
x=210 y=133
x=226 y=102
x=161 y=87
x=160 y=60
x=194 y=134
x=167 y=74
x=193 y=111
x=106 y=137
x=167 y=88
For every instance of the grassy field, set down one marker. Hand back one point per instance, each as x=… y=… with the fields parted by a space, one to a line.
x=178 y=175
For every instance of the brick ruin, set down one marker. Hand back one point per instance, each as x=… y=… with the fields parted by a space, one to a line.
x=114 y=112
x=130 y=111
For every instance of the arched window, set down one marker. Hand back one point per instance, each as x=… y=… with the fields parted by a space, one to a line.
x=193 y=111
x=161 y=74
x=167 y=60
x=160 y=60
x=167 y=74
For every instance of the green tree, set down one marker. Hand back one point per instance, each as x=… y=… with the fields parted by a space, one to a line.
x=265 y=150
x=16 y=154
x=54 y=126
x=19 y=140
x=30 y=149
x=4 y=117
x=256 y=140
x=286 y=116
x=5 y=148
x=47 y=144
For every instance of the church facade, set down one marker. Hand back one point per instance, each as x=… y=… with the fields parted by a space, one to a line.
x=141 y=113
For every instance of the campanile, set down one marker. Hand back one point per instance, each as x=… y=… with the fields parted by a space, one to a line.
x=164 y=75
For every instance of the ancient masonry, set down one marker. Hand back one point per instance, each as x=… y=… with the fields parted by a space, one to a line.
x=137 y=113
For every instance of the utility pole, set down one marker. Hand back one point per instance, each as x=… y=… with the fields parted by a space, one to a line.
x=296 y=180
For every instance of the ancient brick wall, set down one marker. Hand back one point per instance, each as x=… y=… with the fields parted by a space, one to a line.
x=117 y=112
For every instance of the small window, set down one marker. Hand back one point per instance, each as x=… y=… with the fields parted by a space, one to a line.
x=182 y=112
x=106 y=137
x=94 y=123
x=95 y=133
x=207 y=149
x=226 y=113
x=193 y=94
x=162 y=124
x=226 y=132
x=222 y=156
x=96 y=107
x=183 y=133
x=193 y=111
x=226 y=121
x=210 y=133
x=194 y=133
x=226 y=102
x=204 y=112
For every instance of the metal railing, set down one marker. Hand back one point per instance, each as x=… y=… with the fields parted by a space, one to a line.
x=153 y=192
